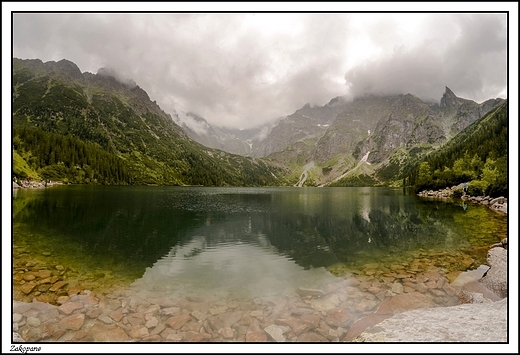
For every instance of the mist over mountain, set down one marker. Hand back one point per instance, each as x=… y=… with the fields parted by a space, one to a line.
x=367 y=140
x=74 y=116
x=371 y=135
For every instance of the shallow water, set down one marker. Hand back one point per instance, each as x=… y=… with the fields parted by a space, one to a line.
x=173 y=264
x=243 y=240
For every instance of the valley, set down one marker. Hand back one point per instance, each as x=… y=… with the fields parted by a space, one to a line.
x=366 y=141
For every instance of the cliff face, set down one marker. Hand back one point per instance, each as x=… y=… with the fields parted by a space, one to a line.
x=307 y=125
x=408 y=122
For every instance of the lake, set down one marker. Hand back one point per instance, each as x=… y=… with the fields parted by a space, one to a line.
x=251 y=243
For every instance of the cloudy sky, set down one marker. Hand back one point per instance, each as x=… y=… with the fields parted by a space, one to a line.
x=244 y=69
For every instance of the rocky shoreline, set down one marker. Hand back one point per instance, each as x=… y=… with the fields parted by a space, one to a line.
x=498 y=204
x=483 y=319
x=32 y=184
x=337 y=312
x=375 y=304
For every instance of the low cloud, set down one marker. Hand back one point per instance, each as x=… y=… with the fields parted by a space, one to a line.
x=247 y=69
x=468 y=54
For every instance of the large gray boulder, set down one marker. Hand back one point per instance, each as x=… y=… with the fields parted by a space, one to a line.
x=495 y=278
x=478 y=322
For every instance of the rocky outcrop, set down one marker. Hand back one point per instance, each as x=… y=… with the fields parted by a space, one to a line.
x=497 y=204
x=495 y=278
x=482 y=320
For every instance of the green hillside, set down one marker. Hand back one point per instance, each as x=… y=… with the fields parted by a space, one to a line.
x=86 y=128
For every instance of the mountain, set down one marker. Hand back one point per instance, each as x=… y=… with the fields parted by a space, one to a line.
x=303 y=127
x=477 y=154
x=104 y=128
x=234 y=141
x=79 y=116
x=367 y=140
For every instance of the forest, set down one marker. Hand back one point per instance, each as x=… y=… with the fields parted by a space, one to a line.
x=477 y=155
x=57 y=157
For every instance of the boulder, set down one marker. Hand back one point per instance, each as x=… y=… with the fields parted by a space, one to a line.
x=476 y=322
x=495 y=278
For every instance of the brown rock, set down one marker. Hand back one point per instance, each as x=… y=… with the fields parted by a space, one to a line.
x=73 y=322
x=62 y=299
x=31 y=334
x=296 y=326
x=227 y=333
x=230 y=319
x=28 y=287
x=33 y=321
x=421 y=287
x=256 y=336
x=158 y=329
x=81 y=334
x=176 y=322
x=75 y=290
x=69 y=307
x=311 y=337
x=366 y=305
x=193 y=337
x=151 y=323
x=198 y=315
x=54 y=279
x=49 y=329
x=374 y=290
x=41 y=306
x=338 y=318
x=215 y=323
x=138 y=332
x=437 y=292
x=102 y=333
x=403 y=302
x=28 y=277
x=167 y=332
x=217 y=310
x=42 y=274
x=136 y=319
x=407 y=289
x=312 y=319
x=58 y=285
x=116 y=315
x=94 y=313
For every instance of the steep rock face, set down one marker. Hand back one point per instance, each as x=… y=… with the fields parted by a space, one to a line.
x=410 y=121
x=307 y=124
x=357 y=122
x=458 y=113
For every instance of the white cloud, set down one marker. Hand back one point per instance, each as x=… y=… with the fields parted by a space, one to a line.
x=242 y=70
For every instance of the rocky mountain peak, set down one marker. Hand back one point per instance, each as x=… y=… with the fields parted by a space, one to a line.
x=69 y=68
x=449 y=99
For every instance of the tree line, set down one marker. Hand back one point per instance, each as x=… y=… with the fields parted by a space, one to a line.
x=58 y=157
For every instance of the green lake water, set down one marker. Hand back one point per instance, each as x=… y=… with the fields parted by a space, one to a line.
x=257 y=241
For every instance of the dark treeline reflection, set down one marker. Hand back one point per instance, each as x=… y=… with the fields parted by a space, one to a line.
x=314 y=227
